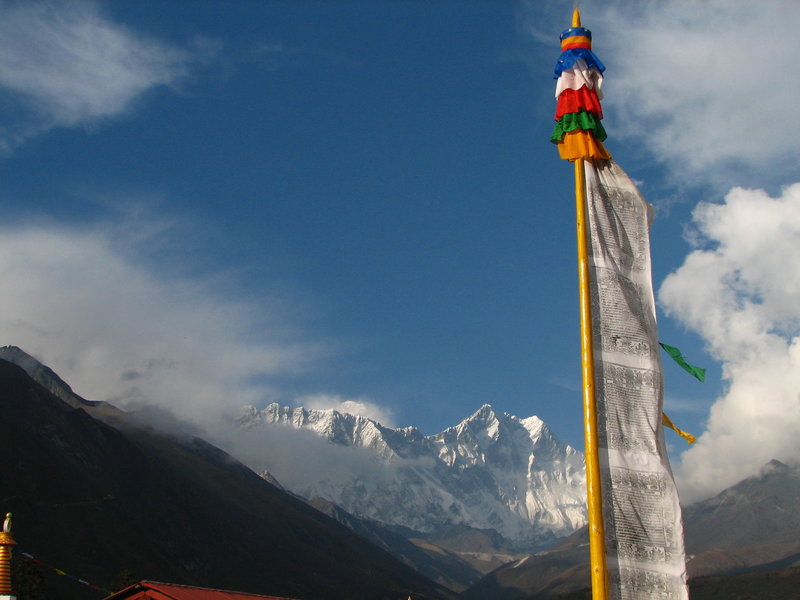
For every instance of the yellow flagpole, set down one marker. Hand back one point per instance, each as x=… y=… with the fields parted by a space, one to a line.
x=597 y=553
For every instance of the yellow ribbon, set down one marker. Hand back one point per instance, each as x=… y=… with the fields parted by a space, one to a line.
x=667 y=422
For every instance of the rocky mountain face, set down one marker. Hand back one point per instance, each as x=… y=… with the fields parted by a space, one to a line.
x=96 y=500
x=753 y=523
x=491 y=471
x=749 y=532
x=446 y=549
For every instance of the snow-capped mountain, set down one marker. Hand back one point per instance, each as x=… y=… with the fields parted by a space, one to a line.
x=491 y=471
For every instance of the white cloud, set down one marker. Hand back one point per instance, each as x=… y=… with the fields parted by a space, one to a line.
x=739 y=292
x=708 y=86
x=302 y=460
x=359 y=406
x=65 y=65
x=81 y=301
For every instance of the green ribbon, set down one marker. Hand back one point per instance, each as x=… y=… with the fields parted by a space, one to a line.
x=678 y=358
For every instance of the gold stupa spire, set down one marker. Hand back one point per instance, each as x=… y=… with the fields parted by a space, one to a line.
x=576 y=18
x=6 y=542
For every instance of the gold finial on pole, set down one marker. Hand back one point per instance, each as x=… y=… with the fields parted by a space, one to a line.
x=576 y=17
x=6 y=542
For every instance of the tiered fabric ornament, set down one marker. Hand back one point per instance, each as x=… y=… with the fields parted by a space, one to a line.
x=578 y=131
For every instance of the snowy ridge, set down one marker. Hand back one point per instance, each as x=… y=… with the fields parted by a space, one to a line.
x=491 y=471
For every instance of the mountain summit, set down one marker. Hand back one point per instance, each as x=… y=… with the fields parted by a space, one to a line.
x=491 y=471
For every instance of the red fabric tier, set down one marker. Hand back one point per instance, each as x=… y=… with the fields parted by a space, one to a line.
x=572 y=101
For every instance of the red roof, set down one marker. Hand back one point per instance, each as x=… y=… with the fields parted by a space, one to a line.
x=153 y=590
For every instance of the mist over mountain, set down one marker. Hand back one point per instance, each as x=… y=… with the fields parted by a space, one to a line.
x=339 y=449
x=96 y=500
x=81 y=489
x=491 y=471
x=51 y=381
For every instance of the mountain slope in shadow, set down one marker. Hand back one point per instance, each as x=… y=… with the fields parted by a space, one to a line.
x=96 y=500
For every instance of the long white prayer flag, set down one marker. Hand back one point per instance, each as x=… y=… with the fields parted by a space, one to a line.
x=641 y=511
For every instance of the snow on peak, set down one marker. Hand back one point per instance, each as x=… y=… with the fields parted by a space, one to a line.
x=491 y=471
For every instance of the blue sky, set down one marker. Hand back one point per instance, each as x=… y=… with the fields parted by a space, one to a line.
x=208 y=204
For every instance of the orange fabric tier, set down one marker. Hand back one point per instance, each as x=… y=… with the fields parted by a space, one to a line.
x=581 y=144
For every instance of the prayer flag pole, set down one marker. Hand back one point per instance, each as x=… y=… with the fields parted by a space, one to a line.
x=597 y=555
x=578 y=147
x=635 y=530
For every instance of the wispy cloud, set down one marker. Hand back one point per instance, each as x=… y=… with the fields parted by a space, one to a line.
x=739 y=292
x=66 y=65
x=274 y=55
x=567 y=384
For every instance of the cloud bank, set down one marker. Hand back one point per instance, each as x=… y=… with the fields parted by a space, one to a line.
x=182 y=353
x=359 y=406
x=303 y=461
x=704 y=88
x=740 y=292
x=66 y=65
x=82 y=302
x=704 y=85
